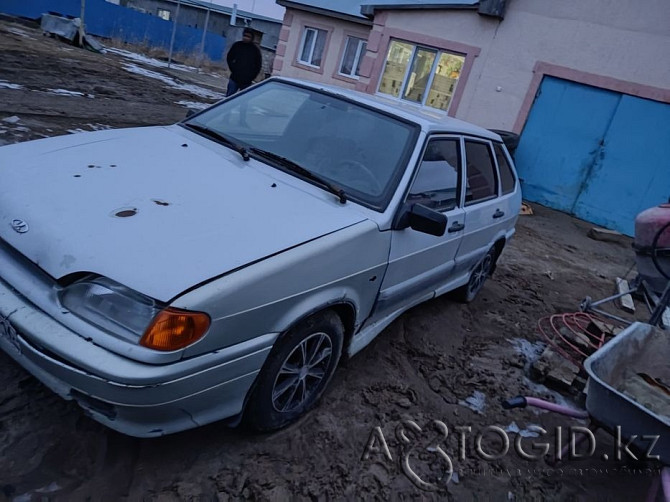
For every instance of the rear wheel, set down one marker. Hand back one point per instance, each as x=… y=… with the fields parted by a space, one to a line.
x=296 y=372
x=478 y=276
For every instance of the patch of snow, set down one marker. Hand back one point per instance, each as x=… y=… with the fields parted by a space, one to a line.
x=141 y=58
x=12 y=120
x=18 y=31
x=52 y=487
x=98 y=127
x=93 y=127
x=526 y=433
x=530 y=350
x=64 y=92
x=194 y=105
x=7 y=85
x=193 y=89
x=476 y=402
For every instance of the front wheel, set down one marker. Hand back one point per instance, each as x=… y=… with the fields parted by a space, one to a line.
x=296 y=372
x=478 y=276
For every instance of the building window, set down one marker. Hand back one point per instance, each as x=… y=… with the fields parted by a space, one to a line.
x=421 y=74
x=352 y=57
x=311 y=48
x=164 y=14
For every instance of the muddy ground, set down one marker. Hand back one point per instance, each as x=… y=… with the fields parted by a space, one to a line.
x=440 y=361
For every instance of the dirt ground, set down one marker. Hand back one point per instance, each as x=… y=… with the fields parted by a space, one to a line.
x=440 y=361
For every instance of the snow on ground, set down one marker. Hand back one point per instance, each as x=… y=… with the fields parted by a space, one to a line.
x=18 y=31
x=65 y=92
x=532 y=431
x=193 y=89
x=7 y=85
x=92 y=127
x=141 y=58
x=194 y=105
x=476 y=402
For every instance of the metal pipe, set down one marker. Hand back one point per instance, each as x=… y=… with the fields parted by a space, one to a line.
x=660 y=307
x=174 y=31
x=204 y=34
x=81 y=23
x=613 y=297
x=611 y=316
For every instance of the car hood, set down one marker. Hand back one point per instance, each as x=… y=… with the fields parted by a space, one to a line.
x=157 y=209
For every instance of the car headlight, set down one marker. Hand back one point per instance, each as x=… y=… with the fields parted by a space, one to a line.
x=133 y=316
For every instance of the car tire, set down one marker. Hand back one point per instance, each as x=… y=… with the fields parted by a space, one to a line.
x=296 y=373
x=482 y=271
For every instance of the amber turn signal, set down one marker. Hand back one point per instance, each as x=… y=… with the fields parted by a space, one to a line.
x=174 y=329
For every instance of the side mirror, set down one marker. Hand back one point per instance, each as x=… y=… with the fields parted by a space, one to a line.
x=422 y=219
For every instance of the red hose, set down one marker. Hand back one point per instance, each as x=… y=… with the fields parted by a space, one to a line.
x=555 y=329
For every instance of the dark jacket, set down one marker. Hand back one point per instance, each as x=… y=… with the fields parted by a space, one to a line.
x=244 y=60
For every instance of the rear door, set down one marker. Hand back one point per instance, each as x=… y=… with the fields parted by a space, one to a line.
x=486 y=212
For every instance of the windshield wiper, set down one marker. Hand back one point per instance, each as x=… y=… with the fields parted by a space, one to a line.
x=221 y=137
x=298 y=169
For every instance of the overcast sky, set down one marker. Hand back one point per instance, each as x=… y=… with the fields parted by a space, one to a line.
x=263 y=7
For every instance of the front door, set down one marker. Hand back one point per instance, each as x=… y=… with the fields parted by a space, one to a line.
x=420 y=263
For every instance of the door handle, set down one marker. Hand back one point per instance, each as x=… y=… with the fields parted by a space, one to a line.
x=498 y=214
x=456 y=227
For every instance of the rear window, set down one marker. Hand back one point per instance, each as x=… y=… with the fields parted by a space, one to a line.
x=481 y=183
x=507 y=179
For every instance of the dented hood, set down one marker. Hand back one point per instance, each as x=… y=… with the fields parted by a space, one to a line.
x=157 y=209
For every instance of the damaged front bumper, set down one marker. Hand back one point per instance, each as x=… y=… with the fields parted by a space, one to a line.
x=132 y=397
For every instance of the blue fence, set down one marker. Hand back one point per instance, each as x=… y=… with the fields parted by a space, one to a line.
x=107 y=20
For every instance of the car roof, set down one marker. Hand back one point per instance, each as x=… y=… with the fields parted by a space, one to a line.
x=429 y=120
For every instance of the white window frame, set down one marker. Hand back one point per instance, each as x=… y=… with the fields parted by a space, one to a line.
x=429 y=83
x=361 y=42
x=311 y=50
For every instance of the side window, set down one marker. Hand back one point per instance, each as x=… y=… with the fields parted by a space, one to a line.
x=482 y=183
x=437 y=183
x=507 y=179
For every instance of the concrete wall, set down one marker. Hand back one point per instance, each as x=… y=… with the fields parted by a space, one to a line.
x=286 y=62
x=620 y=43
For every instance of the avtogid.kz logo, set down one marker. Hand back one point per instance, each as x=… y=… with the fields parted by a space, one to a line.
x=422 y=453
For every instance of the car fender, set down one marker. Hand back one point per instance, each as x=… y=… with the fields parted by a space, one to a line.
x=271 y=295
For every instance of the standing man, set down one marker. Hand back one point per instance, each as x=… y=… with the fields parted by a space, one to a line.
x=244 y=60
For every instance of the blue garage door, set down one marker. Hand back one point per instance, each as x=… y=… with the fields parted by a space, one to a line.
x=600 y=155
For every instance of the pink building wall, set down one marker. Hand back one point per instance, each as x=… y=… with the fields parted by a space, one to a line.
x=624 y=48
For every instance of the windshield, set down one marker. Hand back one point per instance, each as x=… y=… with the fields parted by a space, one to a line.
x=355 y=148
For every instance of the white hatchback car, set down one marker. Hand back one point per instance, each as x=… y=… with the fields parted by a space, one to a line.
x=168 y=277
